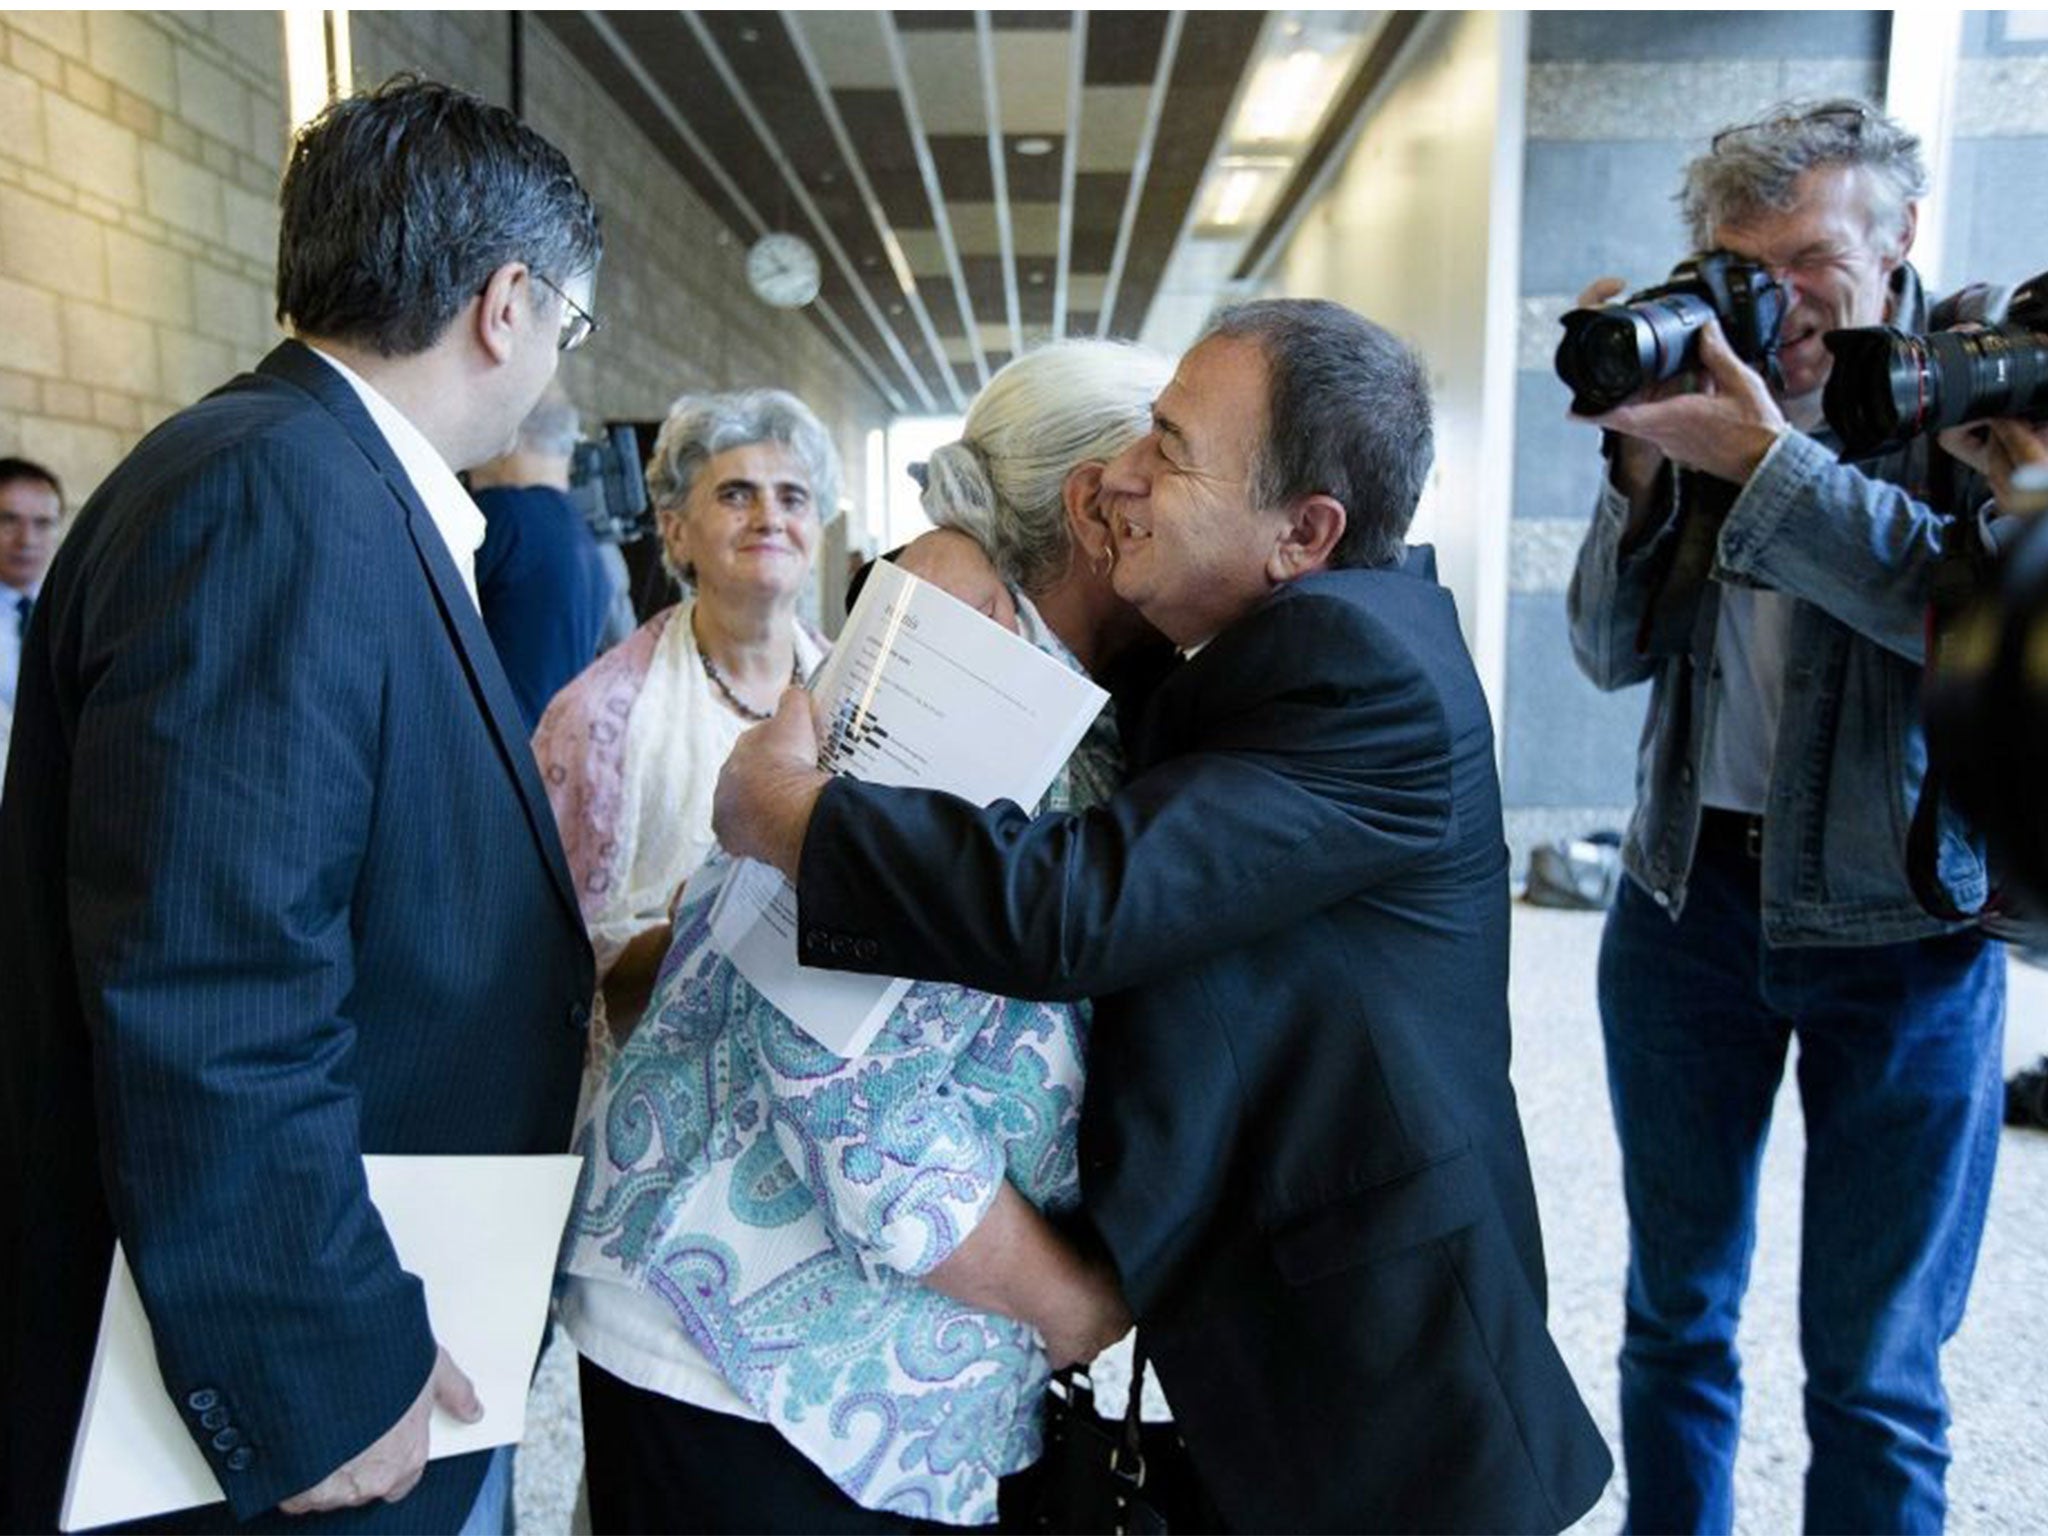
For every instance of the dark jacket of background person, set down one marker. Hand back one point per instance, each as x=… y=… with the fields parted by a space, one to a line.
x=1300 y=1141
x=230 y=847
x=544 y=591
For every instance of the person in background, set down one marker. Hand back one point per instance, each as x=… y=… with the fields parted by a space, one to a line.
x=841 y=1314
x=543 y=585
x=31 y=508
x=630 y=749
x=1999 y=450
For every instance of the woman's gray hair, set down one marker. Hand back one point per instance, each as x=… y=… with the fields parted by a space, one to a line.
x=700 y=427
x=1003 y=482
x=1752 y=169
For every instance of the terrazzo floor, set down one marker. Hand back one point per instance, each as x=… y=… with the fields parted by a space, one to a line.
x=1997 y=1367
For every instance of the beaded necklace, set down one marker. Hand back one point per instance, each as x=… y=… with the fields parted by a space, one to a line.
x=739 y=705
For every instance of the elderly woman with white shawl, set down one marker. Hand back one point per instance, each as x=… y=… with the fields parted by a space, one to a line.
x=630 y=750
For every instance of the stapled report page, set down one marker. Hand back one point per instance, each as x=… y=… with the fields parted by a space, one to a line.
x=922 y=692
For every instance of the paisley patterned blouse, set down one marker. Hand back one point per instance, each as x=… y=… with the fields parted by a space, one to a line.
x=782 y=1202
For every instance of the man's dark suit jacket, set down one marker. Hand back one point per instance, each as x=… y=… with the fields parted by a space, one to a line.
x=282 y=888
x=1299 y=1140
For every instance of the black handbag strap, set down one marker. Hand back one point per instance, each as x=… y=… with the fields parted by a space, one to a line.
x=1129 y=1462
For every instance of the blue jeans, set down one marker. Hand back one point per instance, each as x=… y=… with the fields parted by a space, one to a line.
x=1899 y=1080
x=491 y=1514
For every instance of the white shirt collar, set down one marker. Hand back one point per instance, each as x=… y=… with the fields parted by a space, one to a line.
x=455 y=516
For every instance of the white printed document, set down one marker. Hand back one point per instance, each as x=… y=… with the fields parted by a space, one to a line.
x=920 y=692
x=481 y=1233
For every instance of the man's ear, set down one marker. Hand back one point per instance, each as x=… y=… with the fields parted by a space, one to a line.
x=1087 y=520
x=502 y=309
x=1308 y=537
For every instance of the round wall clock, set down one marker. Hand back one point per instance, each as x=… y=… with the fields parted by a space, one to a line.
x=783 y=270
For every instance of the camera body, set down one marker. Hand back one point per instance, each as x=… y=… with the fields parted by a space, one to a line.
x=1612 y=353
x=1888 y=387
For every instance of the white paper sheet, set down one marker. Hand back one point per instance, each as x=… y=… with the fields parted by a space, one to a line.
x=481 y=1233
x=921 y=691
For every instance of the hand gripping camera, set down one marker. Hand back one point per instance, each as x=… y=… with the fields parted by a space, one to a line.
x=1887 y=387
x=1612 y=353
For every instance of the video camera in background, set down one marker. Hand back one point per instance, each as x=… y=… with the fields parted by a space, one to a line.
x=607 y=486
x=1888 y=387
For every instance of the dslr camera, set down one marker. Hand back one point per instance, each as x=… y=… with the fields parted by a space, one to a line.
x=1888 y=387
x=1612 y=353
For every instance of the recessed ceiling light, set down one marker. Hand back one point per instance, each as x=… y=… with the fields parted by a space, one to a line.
x=749 y=35
x=1035 y=145
x=1038 y=277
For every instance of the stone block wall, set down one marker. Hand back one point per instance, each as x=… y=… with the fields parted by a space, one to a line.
x=1997 y=219
x=139 y=157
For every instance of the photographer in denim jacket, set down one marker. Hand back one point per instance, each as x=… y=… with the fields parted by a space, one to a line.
x=1774 y=598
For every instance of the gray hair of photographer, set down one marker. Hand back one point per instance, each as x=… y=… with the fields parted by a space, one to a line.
x=700 y=427
x=1003 y=481
x=1754 y=167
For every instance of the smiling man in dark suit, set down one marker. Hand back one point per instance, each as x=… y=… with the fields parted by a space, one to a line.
x=1300 y=1143
x=281 y=881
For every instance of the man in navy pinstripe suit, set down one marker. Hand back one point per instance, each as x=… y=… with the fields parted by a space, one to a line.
x=281 y=883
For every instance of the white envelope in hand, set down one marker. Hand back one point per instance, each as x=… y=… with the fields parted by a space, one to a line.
x=480 y=1232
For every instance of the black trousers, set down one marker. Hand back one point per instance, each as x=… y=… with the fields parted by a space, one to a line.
x=657 y=1465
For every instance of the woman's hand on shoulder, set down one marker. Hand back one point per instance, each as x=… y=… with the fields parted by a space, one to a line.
x=950 y=560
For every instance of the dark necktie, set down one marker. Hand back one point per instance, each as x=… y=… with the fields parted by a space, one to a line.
x=24 y=605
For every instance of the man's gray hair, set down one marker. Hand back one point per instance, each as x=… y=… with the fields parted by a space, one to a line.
x=552 y=426
x=1752 y=169
x=1003 y=482
x=700 y=427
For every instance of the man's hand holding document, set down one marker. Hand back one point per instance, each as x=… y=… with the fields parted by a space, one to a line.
x=920 y=692
x=479 y=1232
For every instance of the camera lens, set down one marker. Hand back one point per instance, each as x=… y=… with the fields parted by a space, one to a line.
x=1878 y=388
x=1612 y=354
x=1887 y=387
x=1973 y=375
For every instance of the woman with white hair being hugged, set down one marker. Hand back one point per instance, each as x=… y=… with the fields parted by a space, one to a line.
x=819 y=1294
x=631 y=749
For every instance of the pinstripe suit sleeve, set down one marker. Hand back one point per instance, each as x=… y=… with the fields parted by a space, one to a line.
x=229 y=728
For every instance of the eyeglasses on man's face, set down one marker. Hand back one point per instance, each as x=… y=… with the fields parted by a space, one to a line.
x=1848 y=118
x=578 y=323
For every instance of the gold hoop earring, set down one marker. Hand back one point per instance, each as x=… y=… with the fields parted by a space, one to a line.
x=1104 y=561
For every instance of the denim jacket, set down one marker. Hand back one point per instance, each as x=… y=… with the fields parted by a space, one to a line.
x=1857 y=552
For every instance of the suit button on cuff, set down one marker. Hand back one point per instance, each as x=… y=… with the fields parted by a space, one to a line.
x=202 y=1400
x=815 y=941
x=579 y=1017
x=227 y=1439
x=214 y=1418
x=867 y=949
x=239 y=1458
